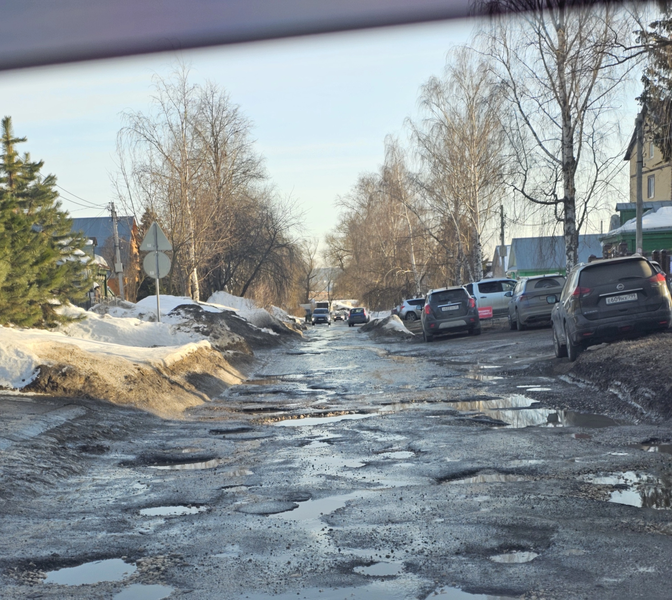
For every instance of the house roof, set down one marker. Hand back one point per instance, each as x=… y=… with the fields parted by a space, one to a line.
x=548 y=253
x=646 y=205
x=659 y=219
x=101 y=228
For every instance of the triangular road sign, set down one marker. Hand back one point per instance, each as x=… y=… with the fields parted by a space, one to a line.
x=155 y=240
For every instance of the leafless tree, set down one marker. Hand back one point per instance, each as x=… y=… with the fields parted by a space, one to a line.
x=559 y=69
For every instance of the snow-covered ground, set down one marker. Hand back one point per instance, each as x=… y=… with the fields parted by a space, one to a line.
x=129 y=332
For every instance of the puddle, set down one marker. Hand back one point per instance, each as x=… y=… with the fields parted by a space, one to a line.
x=186 y=466
x=139 y=591
x=380 y=590
x=520 y=411
x=640 y=490
x=381 y=569
x=171 y=511
x=312 y=421
x=398 y=455
x=457 y=594
x=511 y=558
x=539 y=389
x=490 y=478
x=113 y=569
x=312 y=510
x=662 y=448
x=481 y=377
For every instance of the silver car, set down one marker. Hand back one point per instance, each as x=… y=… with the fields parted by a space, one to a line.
x=532 y=300
x=490 y=294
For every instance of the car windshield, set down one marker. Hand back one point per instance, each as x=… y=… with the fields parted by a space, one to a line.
x=616 y=272
x=321 y=311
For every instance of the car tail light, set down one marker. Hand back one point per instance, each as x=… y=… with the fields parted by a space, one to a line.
x=658 y=279
x=428 y=311
x=472 y=303
x=581 y=292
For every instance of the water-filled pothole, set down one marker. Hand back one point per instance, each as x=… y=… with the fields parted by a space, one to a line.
x=457 y=594
x=654 y=446
x=511 y=558
x=326 y=420
x=381 y=569
x=139 y=591
x=641 y=490
x=186 y=466
x=489 y=478
x=312 y=510
x=520 y=411
x=113 y=569
x=171 y=511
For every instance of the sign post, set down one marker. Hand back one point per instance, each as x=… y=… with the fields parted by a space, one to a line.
x=156 y=264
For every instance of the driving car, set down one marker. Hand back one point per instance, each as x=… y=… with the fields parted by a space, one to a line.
x=411 y=309
x=608 y=300
x=449 y=310
x=491 y=293
x=529 y=304
x=358 y=315
x=321 y=315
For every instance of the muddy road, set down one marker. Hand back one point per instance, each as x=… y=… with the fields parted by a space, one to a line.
x=348 y=466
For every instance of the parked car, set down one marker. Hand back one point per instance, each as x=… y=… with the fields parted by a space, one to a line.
x=607 y=300
x=358 y=315
x=529 y=302
x=449 y=310
x=491 y=293
x=321 y=315
x=411 y=309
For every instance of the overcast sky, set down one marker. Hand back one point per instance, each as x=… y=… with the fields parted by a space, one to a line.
x=321 y=107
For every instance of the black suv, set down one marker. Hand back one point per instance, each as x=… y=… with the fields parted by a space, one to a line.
x=608 y=300
x=449 y=310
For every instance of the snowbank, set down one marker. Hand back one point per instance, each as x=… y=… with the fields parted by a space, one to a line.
x=391 y=326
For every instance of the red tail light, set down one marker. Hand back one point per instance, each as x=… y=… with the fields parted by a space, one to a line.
x=581 y=292
x=472 y=303
x=427 y=309
x=658 y=279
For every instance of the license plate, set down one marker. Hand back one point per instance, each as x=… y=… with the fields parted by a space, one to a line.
x=622 y=298
x=451 y=307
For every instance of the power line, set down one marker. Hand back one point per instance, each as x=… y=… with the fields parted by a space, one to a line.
x=87 y=204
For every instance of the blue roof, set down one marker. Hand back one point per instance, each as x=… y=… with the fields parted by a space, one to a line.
x=101 y=228
x=547 y=253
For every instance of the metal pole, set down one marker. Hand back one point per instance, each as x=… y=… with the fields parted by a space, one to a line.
x=118 y=267
x=156 y=255
x=639 y=122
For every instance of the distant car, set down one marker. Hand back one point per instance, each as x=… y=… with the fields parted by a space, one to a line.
x=321 y=315
x=607 y=300
x=449 y=310
x=491 y=293
x=340 y=315
x=358 y=315
x=411 y=310
x=532 y=300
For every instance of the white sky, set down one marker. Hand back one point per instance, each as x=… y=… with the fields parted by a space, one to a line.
x=321 y=107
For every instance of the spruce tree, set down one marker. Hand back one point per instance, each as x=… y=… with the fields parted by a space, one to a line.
x=40 y=257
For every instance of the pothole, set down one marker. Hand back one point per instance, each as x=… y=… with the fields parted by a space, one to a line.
x=638 y=489
x=113 y=569
x=664 y=447
x=171 y=511
x=516 y=557
x=445 y=593
x=311 y=510
x=325 y=420
x=380 y=569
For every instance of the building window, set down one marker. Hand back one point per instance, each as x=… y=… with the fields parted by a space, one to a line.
x=651 y=186
x=650 y=152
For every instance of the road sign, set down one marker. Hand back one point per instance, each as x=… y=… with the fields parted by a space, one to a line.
x=155 y=240
x=156 y=265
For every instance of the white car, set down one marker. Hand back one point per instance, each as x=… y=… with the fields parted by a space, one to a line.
x=491 y=293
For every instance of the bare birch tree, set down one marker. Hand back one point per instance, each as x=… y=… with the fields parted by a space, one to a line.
x=559 y=71
x=460 y=142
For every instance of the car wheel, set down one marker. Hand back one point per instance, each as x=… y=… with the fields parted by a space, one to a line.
x=573 y=350
x=512 y=324
x=411 y=316
x=427 y=337
x=519 y=325
x=475 y=331
x=560 y=349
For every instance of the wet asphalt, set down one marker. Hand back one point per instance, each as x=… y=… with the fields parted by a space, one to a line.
x=347 y=466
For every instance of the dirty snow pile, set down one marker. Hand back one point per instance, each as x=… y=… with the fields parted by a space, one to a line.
x=248 y=310
x=391 y=326
x=127 y=332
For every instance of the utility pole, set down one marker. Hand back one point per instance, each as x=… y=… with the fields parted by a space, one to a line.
x=118 y=267
x=639 y=133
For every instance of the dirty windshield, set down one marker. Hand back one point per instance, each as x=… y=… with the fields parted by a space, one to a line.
x=217 y=377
